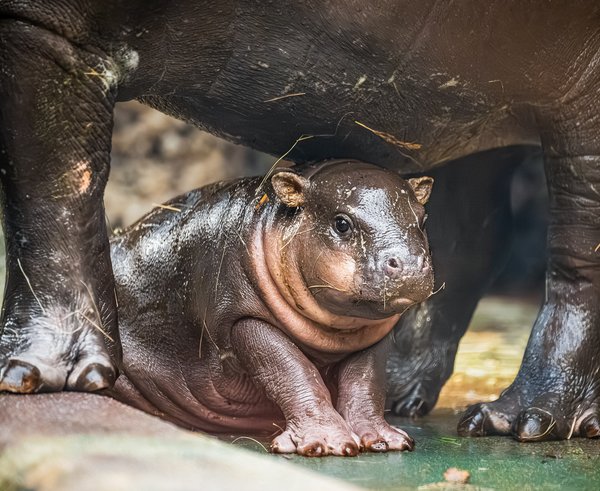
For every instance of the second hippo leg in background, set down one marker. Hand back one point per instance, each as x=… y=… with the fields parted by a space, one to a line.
x=470 y=230
x=556 y=394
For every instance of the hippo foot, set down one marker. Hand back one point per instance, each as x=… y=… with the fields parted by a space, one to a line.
x=378 y=436
x=419 y=399
x=415 y=381
x=313 y=439
x=47 y=356
x=547 y=417
x=556 y=394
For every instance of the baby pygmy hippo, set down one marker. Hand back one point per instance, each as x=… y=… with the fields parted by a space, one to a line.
x=242 y=314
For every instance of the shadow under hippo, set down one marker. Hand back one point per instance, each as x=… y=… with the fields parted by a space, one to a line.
x=402 y=84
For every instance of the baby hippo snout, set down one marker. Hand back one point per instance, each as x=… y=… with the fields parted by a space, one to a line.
x=394 y=268
x=403 y=279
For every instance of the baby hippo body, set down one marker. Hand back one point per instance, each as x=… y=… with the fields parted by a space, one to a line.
x=250 y=306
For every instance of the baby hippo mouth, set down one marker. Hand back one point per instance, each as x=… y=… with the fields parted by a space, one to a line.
x=378 y=299
x=384 y=304
x=387 y=289
x=395 y=286
x=398 y=304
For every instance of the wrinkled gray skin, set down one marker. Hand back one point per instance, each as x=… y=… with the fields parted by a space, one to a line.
x=436 y=80
x=242 y=315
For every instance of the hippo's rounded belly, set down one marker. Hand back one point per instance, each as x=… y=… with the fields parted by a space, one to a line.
x=206 y=397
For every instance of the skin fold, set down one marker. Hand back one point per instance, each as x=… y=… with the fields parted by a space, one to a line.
x=279 y=315
x=401 y=84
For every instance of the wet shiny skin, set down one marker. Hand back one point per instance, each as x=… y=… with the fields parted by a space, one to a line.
x=222 y=331
x=408 y=85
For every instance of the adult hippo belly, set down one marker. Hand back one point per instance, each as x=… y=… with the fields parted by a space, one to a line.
x=406 y=85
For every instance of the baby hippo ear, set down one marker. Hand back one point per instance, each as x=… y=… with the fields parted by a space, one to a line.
x=422 y=188
x=290 y=188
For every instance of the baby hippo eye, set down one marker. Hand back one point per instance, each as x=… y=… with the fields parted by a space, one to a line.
x=343 y=225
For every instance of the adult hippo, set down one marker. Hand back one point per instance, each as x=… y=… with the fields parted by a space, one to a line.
x=403 y=84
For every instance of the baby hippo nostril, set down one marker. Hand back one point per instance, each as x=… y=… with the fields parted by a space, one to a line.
x=393 y=267
x=393 y=263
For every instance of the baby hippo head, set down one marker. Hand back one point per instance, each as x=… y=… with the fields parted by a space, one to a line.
x=354 y=238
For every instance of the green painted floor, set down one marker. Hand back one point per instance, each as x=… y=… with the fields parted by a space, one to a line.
x=493 y=462
x=488 y=359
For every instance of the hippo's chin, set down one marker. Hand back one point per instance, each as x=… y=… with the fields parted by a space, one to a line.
x=392 y=306
x=371 y=309
x=398 y=305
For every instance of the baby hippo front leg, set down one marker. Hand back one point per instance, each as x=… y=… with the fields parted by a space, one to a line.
x=361 y=399
x=276 y=364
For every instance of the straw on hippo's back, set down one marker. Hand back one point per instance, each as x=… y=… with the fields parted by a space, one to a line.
x=237 y=313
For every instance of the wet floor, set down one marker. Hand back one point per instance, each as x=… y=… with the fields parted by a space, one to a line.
x=488 y=360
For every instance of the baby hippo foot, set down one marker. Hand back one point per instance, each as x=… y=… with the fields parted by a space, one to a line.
x=53 y=352
x=376 y=435
x=317 y=439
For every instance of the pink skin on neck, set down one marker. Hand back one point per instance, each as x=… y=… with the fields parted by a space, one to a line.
x=282 y=289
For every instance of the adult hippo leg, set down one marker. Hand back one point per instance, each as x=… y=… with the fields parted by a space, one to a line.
x=556 y=392
x=469 y=234
x=55 y=128
x=290 y=380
